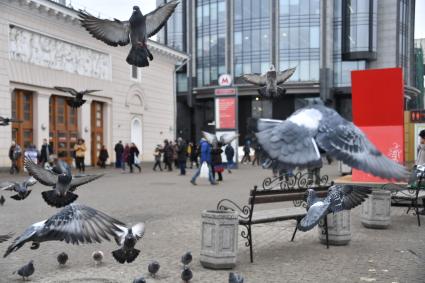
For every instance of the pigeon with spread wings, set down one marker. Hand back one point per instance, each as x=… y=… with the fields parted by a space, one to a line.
x=22 y=189
x=6 y=121
x=64 y=184
x=75 y=224
x=136 y=31
x=225 y=138
x=77 y=99
x=270 y=81
x=127 y=239
x=295 y=142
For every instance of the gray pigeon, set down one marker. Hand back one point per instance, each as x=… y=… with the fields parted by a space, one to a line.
x=153 y=268
x=97 y=257
x=186 y=258
x=339 y=198
x=26 y=271
x=186 y=274
x=235 y=278
x=21 y=189
x=225 y=138
x=62 y=258
x=270 y=81
x=4 y=238
x=139 y=280
x=135 y=31
x=6 y=121
x=295 y=142
x=77 y=99
x=2 y=200
x=127 y=239
x=74 y=224
x=63 y=184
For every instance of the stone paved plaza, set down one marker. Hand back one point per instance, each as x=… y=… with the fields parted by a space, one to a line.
x=170 y=206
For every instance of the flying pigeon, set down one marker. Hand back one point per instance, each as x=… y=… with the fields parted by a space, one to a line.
x=4 y=238
x=62 y=258
x=235 y=278
x=6 y=121
x=21 y=189
x=75 y=224
x=135 y=31
x=2 y=200
x=127 y=239
x=26 y=271
x=270 y=81
x=295 y=142
x=77 y=99
x=97 y=257
x=153 y=268
x=186 y=258
x=63 y=184
x=225 y=138
x=339 y=198
x=139 y=280
x=186 y=274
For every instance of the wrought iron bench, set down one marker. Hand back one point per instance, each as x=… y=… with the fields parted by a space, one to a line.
x=275 y=190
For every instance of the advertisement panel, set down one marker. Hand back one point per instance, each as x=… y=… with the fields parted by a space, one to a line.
x=225 y=111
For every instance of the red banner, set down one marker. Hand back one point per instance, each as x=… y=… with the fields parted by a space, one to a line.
x=225 y=111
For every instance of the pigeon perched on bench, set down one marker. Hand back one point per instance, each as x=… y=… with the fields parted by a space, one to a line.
x=295 y=142
x=77 y=99
x=75 y=224
x=339 y=198
x=22 y=189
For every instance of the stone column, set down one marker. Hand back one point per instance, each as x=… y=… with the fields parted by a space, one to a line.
x=376 y=210
x=41 y=118
x=339 y=228
x=84 y=127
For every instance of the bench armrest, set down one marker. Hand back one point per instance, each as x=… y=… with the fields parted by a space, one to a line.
x=227 y=204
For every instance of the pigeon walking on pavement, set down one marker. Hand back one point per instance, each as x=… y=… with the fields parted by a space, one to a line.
x=75 y=224
x=97 y=257
x=2 y=200
x=186 y=258
x=295 y=142
x=22 y=189
x=153 y=268
x=127 y=239
x=26 y=271
x=135 y=31
x=63 y=184
x=139 y=280
x=77 y=99
x=235 y=278
x=339 y=198
x=6 y=121
x=270 y=81
x=186 y=274
x=62 y=258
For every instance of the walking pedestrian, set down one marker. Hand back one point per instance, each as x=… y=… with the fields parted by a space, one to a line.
x=133 y=158
x=14 y=155
x=46 y=152
x=157 y=156
x=246 y=150
x=124 y=156
x=174 y=146
x=119 y=149
x=181 y=155
x=216 y=161
x=168 y=155
x=103 y=156
x=257 y=154
x=205 y=156
x=80 y=153
x=193 y=155
x=229 y=151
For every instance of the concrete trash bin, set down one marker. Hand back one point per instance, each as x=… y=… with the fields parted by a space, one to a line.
x=339 y=229
x=376 y=210
x=219 y=244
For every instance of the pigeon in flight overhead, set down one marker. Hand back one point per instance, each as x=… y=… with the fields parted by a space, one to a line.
x=235 y=278
x=26 y=271
x=135 y=31
x=187 y=274
x=153 y=268
x=77 y=99
x=75 y=224
x=295 y=142
x=6 y=121
x=127 y=239
x=62 y=258
x=21 y=189
x=225 y=138
x=339 y=198
x=186 y=258
x=63 y=184
x=270 y=81
x=4 y=238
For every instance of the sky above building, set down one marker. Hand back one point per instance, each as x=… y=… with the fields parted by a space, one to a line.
x=122 y=10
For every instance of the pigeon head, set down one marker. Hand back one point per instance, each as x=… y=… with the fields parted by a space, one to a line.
x=31 y=262
x=272 y=68
x=311 y=197
x=136 y=8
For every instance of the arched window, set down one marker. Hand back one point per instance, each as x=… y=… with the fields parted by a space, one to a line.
x=136 y=132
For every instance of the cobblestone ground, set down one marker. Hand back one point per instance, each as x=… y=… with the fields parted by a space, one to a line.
x=171 y=208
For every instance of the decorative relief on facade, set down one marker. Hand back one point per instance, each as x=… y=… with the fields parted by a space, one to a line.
x=31 y=47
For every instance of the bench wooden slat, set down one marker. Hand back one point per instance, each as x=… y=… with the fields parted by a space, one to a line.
x=287 y=191
x=283 y=197
x=273 y=215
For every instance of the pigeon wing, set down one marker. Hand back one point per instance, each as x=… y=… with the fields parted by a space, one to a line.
x=284 y=75
x=138 y=230
x=113 y=33
x=288 y=143
x=211 y=138
x=4 y=238
x=255 y=79
x=79 y=181
x=344 y=141
x=316 y=212
x=69 y=90
x=8 y=186
x=30 y=181
x=42 y=175
x=78 y=223
x=156 y=19
x=353 y=196
x=227 y=138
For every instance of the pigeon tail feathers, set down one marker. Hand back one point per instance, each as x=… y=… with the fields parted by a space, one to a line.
x=19 y=197
x=138 y=56
x=55 y=200
x=123 y=256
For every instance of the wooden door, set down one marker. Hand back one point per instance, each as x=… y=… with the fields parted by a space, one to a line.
x=96 y=130
x=22 y=109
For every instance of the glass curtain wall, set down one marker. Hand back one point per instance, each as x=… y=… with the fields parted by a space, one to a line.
x=299 y=40
x=175 y=29
x=210 y=41
x=403 y=35
x=252 y=37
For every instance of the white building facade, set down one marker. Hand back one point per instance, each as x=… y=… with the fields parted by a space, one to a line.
x=42 y=45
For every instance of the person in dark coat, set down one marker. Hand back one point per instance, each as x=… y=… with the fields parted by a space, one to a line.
x=119 y=149
x=181 y=149
x=230 y=153
x=168 y=155
x=103 y=156
x=133 y=154
x=124 y=156
x=45 y=152
x=216 y=161
x=194 y=152
x=257 y=154
x=15 y=153
x=246 y=150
